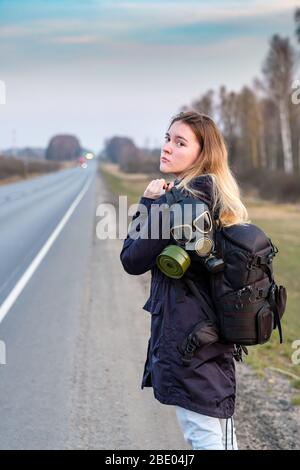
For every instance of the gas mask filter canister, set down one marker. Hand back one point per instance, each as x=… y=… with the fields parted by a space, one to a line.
x=191 y=229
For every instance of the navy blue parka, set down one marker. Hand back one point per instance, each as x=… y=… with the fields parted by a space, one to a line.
x=207 y=385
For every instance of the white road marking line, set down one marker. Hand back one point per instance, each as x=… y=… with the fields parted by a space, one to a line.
x=16 y=291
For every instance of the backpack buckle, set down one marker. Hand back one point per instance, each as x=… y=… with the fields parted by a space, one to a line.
x=260 y=292
x=252 y=297
x=245 y=289
x=241 y=293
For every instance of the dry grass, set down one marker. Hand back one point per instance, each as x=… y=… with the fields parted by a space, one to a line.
x=13 y=169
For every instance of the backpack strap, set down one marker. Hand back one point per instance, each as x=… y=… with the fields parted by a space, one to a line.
x=179 y=288
x=187 y=281
x=264 y=262
x=175 y=195
x=238 y=352
x=217 y=213
x=210 y=315
x=273 y=304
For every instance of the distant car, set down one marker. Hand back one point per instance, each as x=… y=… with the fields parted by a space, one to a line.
x=82 y=162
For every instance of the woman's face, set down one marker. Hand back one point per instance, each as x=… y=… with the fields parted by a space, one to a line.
x=181 y=149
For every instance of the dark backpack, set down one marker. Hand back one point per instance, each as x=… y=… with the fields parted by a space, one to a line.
x=248 y=303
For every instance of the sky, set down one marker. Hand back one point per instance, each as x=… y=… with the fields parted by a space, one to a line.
x=97 y=68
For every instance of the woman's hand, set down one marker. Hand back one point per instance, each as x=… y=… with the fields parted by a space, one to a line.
x=157 y=187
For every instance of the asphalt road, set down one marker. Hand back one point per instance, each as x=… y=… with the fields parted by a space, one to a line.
x=40 y=328
x=75 y=333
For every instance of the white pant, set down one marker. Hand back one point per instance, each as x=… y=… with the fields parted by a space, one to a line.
x=205 y=432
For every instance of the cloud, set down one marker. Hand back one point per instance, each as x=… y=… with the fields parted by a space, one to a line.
x=38 y=27
x=120 y=20
x=75 y=39
x=166 y=12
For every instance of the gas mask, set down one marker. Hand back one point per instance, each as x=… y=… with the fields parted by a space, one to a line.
x=192 y=231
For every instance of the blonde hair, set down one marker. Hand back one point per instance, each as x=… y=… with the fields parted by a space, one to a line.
x=213 y=161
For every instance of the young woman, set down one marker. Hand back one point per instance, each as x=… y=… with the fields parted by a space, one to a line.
x=203 y=392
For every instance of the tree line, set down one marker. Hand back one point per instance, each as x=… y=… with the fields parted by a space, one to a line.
x=260 y=124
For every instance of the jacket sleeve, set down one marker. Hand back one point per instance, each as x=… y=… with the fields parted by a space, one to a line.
x=138 y=255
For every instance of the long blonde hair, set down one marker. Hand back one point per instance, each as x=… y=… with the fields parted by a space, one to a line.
x=213 y=161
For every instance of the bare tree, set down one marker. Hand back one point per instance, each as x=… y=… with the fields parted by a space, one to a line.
x=229 y=124
x=278 y=71
x=259 y=92
x=249 y=124
x=205 y=104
